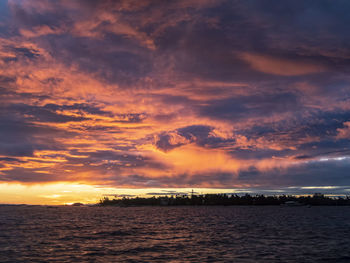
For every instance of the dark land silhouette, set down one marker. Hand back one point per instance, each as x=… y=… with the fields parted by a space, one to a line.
x=228 y=200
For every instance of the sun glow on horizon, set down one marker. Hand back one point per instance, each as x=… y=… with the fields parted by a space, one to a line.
x=69 y=193
x=106 y=96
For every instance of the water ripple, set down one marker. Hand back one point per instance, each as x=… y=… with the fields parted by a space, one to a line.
x=174 y=234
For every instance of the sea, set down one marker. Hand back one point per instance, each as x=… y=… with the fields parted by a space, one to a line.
x=174 y=234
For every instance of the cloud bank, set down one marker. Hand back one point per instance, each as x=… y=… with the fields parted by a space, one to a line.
x=139 y=94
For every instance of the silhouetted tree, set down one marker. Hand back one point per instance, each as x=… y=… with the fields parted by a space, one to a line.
x=224 y=199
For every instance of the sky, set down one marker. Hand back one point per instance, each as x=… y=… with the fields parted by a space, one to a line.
x=148 y=96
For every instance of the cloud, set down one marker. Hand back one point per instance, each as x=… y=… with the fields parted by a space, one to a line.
x=201 y=135
x=344 y=133
x=280 y=66
x=251 y=106
x=20 y=138
x=251 y=94
x=321 y=173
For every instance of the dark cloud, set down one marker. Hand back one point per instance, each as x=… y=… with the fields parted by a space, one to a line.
x=31 y=175
x=26 y=52
x=20 y=138
x=9 y=159
x=7 y=95
x=116 y=65
x=112 y=161
x=130 y=117
x=200 y=134
x=271 y=76
x=324 y=172
x=41 y=114
x=256 y=106
x=79 y=107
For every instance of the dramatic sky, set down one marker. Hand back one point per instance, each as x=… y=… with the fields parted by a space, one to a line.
x=100 y=96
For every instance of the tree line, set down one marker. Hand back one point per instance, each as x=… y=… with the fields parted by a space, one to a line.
x=227 y=200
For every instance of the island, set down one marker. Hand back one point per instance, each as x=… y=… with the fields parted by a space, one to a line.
x=227 y=200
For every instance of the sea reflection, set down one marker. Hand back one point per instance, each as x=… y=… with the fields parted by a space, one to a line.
x=177 y=234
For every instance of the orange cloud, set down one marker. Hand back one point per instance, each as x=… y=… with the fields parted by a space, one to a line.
x=280 y=66
x=344 y=133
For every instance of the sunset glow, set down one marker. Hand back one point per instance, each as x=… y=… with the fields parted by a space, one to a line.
x=139 y=97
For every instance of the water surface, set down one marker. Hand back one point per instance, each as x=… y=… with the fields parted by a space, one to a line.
x=174 y=234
